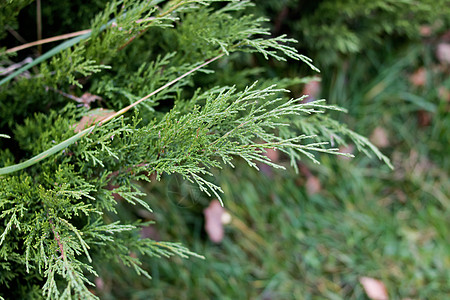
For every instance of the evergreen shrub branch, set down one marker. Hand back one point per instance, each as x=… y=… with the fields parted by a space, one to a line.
x=65 y=195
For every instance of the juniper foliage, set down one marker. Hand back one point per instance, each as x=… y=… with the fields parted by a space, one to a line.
x=59 y=216
x=335 y=30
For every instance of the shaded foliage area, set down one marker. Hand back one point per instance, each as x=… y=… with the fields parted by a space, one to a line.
x=71 y=149
x=83 y=215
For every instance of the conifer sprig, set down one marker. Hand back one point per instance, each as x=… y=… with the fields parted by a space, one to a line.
x=70 y=212
x=75 y=138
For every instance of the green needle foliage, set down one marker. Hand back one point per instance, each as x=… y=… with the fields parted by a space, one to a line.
x=62 y=212
x=335 y=30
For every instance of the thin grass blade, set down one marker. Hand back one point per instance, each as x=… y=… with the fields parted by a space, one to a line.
x=46 y=153
x=46 y=56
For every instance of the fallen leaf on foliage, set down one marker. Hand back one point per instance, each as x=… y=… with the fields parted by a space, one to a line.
x=425 y=30
x=443 y=53
x=213 y=221
x=400 y=195
x=446 y=36
x=112 y=187
x=272 y=154
x=346 y=149
x=95 y=116
x=423 y=118
x=150 y=232
x=99 y=283
x=379 y=137
x=374 y=288
x=88 y=98
x=304 y=169
x=419 y=77
x=312 y=89
x=313 y=185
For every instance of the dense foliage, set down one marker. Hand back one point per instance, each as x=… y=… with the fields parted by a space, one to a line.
x=332 y=31
x=75 y=148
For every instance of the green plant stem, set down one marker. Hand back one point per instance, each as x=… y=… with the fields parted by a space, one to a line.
x=46 y=56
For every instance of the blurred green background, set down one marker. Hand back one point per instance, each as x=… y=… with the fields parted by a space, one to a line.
x=314 y=234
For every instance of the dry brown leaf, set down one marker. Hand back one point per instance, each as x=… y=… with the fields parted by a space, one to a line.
x=213 y=221
x=374 y=288
x=150 y=232
x=95 y=116
x=419 y=77
x=446 y=36
x=99 y=283
x=346 y=149
x=272 y=154
x=313 y=185
x=88 y=98
x=400 y=195
x=424 y=118
x=443 y=53
x=112 y=187
x=425 y=30
x=379 y=137
x=312 y=89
